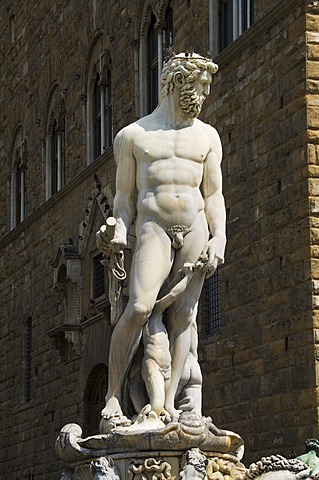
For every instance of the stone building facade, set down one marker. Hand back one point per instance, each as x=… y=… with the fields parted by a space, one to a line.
x=74 y=73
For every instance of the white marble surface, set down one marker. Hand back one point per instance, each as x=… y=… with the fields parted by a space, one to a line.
x=169 y=183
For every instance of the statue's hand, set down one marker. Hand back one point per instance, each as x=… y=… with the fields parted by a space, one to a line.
x=118 y=242
x=103 y=240
x=111 y=237
x=214 y=252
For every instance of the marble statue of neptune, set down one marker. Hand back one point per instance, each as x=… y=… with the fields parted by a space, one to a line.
x=169 y=182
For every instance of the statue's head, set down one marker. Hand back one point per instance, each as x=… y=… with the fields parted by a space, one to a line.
x=103 y=468
x=192 y=75
x=312 y=444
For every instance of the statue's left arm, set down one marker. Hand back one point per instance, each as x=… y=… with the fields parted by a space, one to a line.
x=214 y=205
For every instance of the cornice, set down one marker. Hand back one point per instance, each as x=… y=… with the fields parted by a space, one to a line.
x=233 y=50
x=56 y=198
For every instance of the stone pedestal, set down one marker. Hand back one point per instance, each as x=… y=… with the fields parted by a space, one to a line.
x=190 y=448
x=152 y=465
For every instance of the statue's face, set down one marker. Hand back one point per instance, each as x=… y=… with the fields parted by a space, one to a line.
x=192 y=95
x=202 y=83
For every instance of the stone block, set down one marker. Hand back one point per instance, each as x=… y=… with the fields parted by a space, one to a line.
x=313 y=117
x=313 y=69
x=312 y=26
x=313 y=52
x=312 y=37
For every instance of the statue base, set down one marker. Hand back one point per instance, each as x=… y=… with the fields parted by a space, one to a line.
x=191 y=448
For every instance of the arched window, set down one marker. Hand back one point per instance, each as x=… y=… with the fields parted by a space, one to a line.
x=153 y=86
x=19 y=180
x=157 y=35
x=97 y=116
x=21 y=192
x=99 y=103
x=55 y=144
x=94 y=398
x=57 y=156
x=108 y=110
x=102 y=114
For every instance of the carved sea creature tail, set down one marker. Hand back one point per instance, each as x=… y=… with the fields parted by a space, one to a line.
x=177 y=287
x=67 y=446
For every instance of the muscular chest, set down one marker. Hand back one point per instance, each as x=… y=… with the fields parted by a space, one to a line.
x=171 y=145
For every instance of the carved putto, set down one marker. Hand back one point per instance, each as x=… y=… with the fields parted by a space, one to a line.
x=103 y=469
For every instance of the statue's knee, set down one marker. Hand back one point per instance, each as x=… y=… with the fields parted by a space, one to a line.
x=182 y=317
x=140 y=313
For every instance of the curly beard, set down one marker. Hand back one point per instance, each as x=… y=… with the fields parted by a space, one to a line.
x=190 y=102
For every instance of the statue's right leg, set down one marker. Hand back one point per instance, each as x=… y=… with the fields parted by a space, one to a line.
x=151 y=265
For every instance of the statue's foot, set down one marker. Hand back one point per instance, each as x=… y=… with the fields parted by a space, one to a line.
x=146 y=410
x=172 y=415
x=112 y=409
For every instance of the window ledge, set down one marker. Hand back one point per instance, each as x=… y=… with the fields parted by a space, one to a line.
x=106 y=153
x=67 y=339
x=99 y=317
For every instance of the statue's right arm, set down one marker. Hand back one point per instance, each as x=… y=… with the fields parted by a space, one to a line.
x=124 y=201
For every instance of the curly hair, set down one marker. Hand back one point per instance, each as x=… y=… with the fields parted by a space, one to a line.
x=312 y=444
x=275 y=463
x=184 y=68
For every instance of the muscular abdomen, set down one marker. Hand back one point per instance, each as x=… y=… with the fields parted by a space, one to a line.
x=168 y=191
x=171 y=208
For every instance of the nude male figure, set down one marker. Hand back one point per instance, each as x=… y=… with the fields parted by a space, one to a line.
x=169 y=177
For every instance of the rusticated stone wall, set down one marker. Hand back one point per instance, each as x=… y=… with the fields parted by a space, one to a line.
x=42 y=43
x=313 y=151
x=260 y=370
